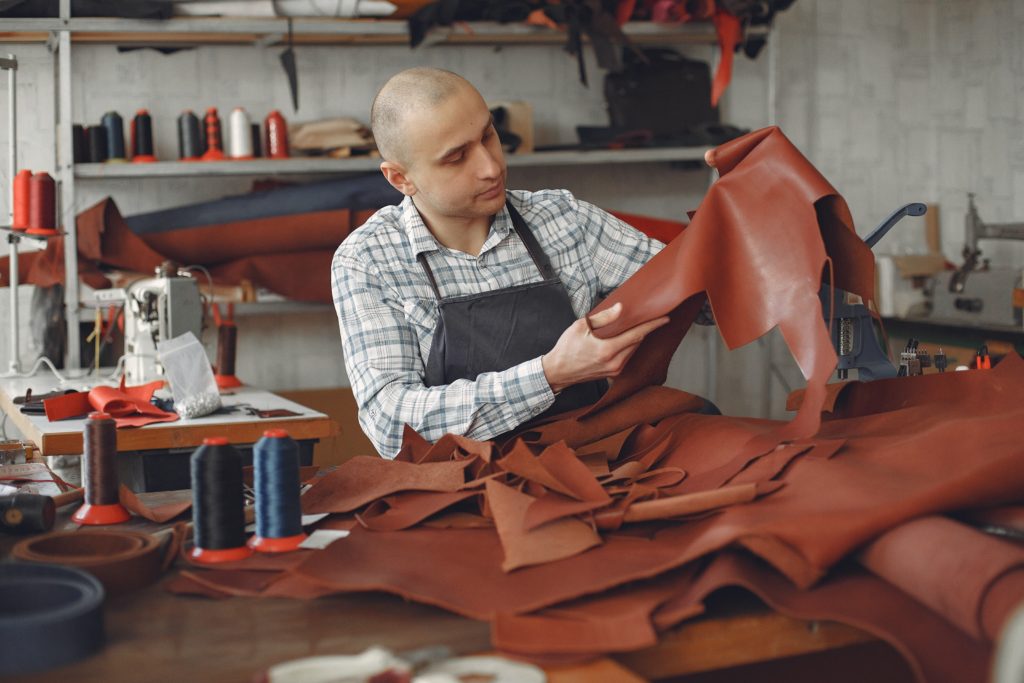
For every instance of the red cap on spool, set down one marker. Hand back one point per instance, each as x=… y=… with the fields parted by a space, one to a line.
x=276 y=545
x=101 y=515
x=215 y=441
x=208 y=556
x=276 y=434
x=227 y=381
x=99 y=416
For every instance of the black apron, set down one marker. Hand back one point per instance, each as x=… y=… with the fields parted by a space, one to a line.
x=494 y=331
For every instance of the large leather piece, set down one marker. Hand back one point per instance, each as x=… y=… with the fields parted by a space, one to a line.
x=889 y=452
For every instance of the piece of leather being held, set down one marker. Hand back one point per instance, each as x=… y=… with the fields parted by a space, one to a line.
x=496 y=330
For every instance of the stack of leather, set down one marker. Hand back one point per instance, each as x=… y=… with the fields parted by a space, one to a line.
x=538 y=532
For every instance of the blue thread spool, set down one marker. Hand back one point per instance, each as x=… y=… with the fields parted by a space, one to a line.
x=218 y=503
x=276 y=481
x=114 y=126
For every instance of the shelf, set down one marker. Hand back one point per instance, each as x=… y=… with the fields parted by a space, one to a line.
x=26 y=235
x=324 y=31
x=314 y=165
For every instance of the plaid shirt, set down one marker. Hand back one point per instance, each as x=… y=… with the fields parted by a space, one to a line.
x=388 y=312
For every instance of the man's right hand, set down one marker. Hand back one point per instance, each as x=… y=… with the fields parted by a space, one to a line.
x=579 y=356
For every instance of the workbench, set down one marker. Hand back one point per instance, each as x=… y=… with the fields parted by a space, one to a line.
x=149 y=458
x=155 y=636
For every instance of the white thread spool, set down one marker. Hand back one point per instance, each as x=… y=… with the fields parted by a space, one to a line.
x=240 y=135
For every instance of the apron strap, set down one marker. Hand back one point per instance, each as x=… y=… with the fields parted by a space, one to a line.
x=540 y=259
x=422 y=258
x=533 y=248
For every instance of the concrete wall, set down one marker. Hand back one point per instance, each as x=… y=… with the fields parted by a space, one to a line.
x=917 y=100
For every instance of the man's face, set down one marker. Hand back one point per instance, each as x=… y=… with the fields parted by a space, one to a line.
x=454 y=159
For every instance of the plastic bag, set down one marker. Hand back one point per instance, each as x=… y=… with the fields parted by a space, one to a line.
x=188 y=371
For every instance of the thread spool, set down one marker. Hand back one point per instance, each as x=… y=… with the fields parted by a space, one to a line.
x=275 y=136
x=190 y=142
x=276 y=481
x=227 y=345
x=99 y=473
x=218 y=504
x=257 y=147
x=214 y=142
x=114 y=126
x=22 y=190
x=79 y=144
x=27 y=513
x=42 y=205
x=97 y=138
x=240 y=139
x=142 y=138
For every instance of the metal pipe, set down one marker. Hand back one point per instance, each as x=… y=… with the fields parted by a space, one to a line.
x=12 y=238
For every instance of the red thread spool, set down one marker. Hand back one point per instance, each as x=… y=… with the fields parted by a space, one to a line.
x=214 y=141
x=21 y=199
x=276 y=143
x=42 y=205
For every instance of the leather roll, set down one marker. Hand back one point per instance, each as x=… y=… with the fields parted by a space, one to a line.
x=123 y=561
x=51 y=616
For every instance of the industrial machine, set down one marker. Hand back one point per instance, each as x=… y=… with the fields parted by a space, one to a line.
x=975 y=293
x=853 y=332
x=157 y=309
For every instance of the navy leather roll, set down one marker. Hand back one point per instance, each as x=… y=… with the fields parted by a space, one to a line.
x=51 y=616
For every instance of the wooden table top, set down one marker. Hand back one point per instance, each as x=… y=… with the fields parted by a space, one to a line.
x=65 y=437
x=155 y=636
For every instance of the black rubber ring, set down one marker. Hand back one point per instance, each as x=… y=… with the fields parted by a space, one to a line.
x=50 y=615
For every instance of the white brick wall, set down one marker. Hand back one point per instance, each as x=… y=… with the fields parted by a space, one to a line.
x=917 y=100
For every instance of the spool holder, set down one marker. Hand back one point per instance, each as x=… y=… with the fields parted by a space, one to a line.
x=9 y=64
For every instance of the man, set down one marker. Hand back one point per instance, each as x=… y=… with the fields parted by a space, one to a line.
x=461 y=309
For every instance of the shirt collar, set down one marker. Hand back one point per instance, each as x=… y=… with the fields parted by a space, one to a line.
x=422 y=240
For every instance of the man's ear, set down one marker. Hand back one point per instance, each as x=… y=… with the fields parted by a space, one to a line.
x=395 y=174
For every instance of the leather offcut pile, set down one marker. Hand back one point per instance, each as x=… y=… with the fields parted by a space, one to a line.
x=594 y=531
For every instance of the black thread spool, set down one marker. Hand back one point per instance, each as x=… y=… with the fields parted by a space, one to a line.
x=142 y=138
x=190 y=139
x=257 y=150
x=99 y=473
x=79 y=144
x=276 y=481
x=97 y=138
x=218 y=503
x=114 y=126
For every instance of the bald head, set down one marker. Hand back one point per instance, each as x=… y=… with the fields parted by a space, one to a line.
x=408 y=91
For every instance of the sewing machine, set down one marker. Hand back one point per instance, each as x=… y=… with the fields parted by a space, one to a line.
x=976 y=293
x=856 y=342
x=157 y=309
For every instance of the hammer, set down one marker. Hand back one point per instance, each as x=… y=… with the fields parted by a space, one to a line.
x=30 y=513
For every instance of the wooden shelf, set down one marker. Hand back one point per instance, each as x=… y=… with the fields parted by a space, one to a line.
x=322 y=31
x=319 y=166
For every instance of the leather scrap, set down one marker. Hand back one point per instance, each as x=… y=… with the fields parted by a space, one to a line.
x=364 y=479
x=129 y=406
x=524 y=547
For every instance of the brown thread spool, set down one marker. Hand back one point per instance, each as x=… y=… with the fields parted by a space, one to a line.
x=276 y=131
x=214 y=142
x=22 y=191
x=227 y=345
x=99 y=473
x=227 y=339
x=42 y=205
